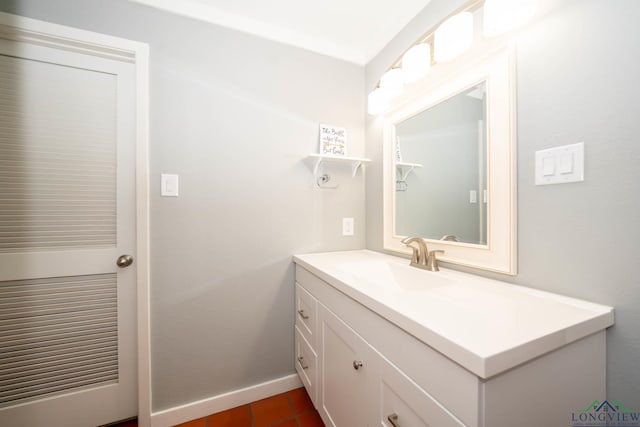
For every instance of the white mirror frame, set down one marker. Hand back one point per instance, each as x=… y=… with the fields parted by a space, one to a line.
x=499 y=254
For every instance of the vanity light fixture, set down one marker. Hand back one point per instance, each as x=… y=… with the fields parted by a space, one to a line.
x=501 y=16
x=453 y=37
x=392 y=83
x=416 y=62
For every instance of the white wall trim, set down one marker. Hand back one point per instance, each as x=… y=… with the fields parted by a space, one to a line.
x=143 y=250
x=211 y=405
x=43 y=33
x=72 y=39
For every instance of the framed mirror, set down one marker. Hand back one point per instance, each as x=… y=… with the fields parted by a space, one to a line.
x=449 y=166
x=446 y=177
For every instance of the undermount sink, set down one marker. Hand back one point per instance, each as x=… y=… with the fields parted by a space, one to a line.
x=395 y=275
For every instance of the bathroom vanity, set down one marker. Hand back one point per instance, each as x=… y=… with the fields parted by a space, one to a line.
x=380 y=343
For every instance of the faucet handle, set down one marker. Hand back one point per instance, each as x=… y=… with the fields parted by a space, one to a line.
x=432 y=260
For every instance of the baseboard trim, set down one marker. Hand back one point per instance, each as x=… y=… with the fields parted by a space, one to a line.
x=202 y=408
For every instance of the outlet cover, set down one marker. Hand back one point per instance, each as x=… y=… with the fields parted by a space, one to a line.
x=347 y=227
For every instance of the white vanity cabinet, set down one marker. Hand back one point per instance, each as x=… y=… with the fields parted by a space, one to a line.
x=355 y=385
x=363 y=367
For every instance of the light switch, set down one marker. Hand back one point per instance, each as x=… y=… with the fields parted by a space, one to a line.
x=168 y=185
x=560 y=165
x=473 y=196
x=548 y=166
x=566 y=163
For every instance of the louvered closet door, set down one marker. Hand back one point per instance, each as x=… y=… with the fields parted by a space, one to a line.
x=67 y=312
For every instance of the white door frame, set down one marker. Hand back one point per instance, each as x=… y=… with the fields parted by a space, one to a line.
x=28 y=30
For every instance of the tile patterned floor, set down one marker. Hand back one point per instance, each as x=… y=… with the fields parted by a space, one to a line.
x=290 y=409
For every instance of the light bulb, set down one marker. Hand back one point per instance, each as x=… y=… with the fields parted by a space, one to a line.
x=377 y=102
x=416 y=62
x=392 y=83
x=453 y=37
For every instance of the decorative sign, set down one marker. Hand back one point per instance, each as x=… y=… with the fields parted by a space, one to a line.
x=333 y=140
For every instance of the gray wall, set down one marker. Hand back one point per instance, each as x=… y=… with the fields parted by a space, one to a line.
x=577 y=80
x=234 y=116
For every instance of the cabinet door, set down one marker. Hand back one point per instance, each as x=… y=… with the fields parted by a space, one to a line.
x=404 y=403
x=348 y=367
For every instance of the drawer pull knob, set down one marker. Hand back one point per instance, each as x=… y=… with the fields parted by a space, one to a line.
x=301 y=313
x=393 y=419
x=302 y=365
x=357 y=364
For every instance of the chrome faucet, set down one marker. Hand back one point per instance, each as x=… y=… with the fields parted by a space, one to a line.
x=422 y=257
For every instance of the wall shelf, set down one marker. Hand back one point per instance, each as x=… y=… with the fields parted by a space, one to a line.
x=355 y=162
x=405 y=169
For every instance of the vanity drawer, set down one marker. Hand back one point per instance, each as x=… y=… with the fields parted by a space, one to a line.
x=306 y=314
x=404 y=403
x=306 y=364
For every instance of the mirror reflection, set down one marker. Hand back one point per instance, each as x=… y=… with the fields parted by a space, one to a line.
x=441 y=170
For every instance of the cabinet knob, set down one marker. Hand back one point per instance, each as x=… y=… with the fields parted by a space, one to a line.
x=357 y=364
x=301 y=313
x=393 y=419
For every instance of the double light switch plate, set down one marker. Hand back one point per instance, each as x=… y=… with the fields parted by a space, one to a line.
x=560 y=165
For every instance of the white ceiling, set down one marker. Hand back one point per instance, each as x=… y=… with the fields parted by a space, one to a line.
x=352 y=30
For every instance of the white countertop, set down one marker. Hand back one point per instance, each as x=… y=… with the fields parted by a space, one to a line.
x=485 y=325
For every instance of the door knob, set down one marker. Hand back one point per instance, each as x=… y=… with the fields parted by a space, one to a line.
x=357 y=364
x=302 y=314
x=301 y=362
x=124 y=261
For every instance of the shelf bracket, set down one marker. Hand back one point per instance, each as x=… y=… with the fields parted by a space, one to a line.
x=404 y=172
x=354 y=168
x=405 y=169
x=316 y=166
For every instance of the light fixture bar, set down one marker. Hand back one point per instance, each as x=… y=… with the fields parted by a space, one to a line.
x=390 y=84
x=472 y=6
x=504 y=16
